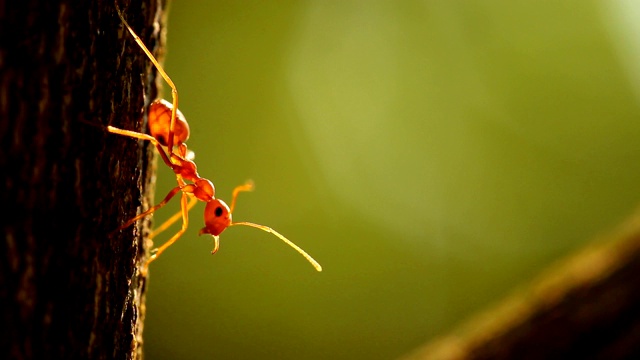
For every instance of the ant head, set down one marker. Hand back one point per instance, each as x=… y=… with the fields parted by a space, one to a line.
x=160 y=123
x=217 y=217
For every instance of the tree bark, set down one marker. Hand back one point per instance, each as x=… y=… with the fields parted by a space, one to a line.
x=70 y=286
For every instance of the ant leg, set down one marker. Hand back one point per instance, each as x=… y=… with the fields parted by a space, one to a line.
x=173 y=219
x=248 y=186
x=141 y=136
x=170 y=195
x=174 y=91
x=185 y=223
x=132 y=134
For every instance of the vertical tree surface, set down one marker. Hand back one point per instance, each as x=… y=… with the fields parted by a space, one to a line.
x=69 y=285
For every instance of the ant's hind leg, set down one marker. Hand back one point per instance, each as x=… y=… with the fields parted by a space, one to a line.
x=163 y=73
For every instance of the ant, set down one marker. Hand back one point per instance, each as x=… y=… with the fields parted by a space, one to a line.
x=168 y=128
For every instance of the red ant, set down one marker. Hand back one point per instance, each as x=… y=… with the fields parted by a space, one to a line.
x=169 y=128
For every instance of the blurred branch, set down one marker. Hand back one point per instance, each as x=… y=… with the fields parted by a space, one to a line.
x=586 y=306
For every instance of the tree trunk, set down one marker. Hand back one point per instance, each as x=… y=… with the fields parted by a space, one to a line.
x=69 y=285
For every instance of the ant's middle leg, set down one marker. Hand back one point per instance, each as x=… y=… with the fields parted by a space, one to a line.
x=173 y=219
x=169 y=196
x=141 y=136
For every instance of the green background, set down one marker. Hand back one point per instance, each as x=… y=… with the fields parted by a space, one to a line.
x=431 y=155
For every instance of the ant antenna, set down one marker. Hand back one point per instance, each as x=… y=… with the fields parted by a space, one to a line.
x=217 y=217
x=311 y=260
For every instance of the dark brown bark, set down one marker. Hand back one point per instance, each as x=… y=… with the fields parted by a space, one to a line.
x=585 y=307
x=70 y=289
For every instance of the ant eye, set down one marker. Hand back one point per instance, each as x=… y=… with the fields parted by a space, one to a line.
x=218 y=211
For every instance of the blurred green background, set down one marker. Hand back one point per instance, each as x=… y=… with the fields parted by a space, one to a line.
x=431 y=155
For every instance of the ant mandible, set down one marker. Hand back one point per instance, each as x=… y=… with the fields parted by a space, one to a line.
x=168 y=128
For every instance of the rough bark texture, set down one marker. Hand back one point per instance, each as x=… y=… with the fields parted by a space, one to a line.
x=69 y=287
x=585 y=307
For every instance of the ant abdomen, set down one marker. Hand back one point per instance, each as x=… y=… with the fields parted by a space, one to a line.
x=160 y=123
